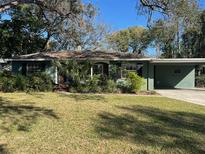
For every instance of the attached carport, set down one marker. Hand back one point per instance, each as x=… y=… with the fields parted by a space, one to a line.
x=174 y=73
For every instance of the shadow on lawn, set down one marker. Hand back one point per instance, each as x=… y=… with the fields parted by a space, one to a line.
x=159 y=128
x=84 y=97
x=3 y=149
x=20 y=117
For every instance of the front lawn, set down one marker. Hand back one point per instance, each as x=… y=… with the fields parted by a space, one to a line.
x=60 y=123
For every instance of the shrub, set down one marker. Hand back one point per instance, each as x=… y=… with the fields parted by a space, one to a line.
x=124 y=85
x=93 y=84
x=200 y=81
x=110 y=86
x=5 y=74
x=1 y=82
x=40 y=82
x=89 y=85
x=34 y=82
x=8 y=85
x=80 y=87
x=21 y=83
x=114 y=71
x=136 y=81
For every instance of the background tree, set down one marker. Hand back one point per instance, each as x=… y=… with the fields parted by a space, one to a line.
x=23 y=33
x=163 y=38
x=133 y=39
x=193 y=40
x=48 y=25
x=178 y=16
x=87 y=35
x=119 y=40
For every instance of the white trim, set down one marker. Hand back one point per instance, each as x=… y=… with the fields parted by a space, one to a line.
x=91 y=72
x=56 y=75
x=16 y=60
x=151 y=60
x=178 y=60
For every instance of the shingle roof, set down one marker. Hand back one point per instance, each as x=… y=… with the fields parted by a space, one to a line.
x=102 y=55
x=80 y=55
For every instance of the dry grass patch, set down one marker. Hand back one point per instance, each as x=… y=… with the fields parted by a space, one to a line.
x=60 y=123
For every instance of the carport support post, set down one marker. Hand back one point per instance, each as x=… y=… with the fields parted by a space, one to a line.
x=150 y=77
x=56 y=75
x=91 y=71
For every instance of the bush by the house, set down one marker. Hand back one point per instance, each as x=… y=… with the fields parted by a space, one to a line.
x=40 y=82
x=136 y=82
x=8 y=85
x=35 y=82
x=110 y=86
x=124 y=85
x=7 y=82
x=133 y=83
x=114 y=72
x=21 y=83
x=93 y=84
x=89 y=85
x=200 y=81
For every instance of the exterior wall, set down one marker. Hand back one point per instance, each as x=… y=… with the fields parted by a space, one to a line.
x=52 y=72
x=17 y=68
x=144 y=70
x=155 y=76
x=174 y=76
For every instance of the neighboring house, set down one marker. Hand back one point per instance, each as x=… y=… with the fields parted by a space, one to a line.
x=158 y=73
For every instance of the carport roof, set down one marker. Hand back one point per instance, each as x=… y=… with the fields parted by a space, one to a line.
x=179 y=60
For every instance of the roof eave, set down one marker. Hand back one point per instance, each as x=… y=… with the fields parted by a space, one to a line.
x=92 y=59
x=179 y=61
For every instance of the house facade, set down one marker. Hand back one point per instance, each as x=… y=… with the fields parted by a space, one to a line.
x=157 y=73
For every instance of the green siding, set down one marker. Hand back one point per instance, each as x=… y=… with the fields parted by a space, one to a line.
x=49 y=69
x=175 y=76
x=155 y=76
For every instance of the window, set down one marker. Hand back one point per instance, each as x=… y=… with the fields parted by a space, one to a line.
x=128 y=67
x=140 y=69
x=33 y=68
x=98 y=69
x=132 y=67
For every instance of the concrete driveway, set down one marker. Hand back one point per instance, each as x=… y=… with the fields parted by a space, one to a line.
x=196 y=96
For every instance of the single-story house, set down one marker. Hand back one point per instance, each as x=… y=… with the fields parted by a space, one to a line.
x=157 y=73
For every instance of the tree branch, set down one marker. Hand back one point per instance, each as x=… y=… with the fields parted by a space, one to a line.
x=153 y=5
x=11 y=4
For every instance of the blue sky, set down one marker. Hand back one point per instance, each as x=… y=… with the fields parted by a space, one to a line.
x=120 y=14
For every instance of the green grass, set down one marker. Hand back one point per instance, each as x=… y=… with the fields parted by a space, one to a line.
x=58 y=123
